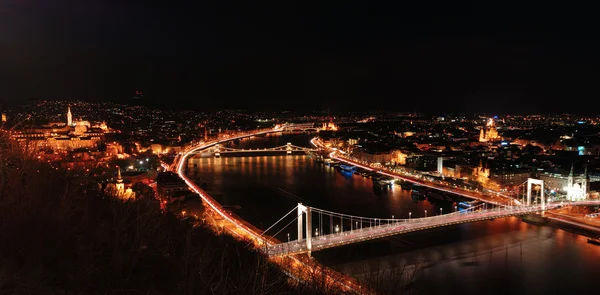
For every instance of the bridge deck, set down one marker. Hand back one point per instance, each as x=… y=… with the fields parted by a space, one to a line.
x=406 y=226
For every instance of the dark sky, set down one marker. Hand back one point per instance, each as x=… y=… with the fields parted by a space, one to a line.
x=436 y=56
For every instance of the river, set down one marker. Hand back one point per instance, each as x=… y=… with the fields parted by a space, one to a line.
x=502 y=256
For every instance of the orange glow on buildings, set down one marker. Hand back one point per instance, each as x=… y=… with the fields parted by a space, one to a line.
x=489 y=132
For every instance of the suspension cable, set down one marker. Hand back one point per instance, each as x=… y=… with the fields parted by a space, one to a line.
x=284 y=216
x=287 y=225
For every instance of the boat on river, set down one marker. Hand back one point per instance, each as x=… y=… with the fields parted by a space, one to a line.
x=407 y=185
x=418 y=192
x=595 y=241
x=350 y=168
x=433 y=194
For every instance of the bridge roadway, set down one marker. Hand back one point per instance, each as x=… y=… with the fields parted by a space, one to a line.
x=298 y=267
x=396 y=227
x=284 y=148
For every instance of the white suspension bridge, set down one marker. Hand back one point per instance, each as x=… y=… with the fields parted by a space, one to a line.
x=343 y=229
x=324 y=229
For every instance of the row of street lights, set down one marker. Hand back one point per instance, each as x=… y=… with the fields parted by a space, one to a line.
x=337 y=227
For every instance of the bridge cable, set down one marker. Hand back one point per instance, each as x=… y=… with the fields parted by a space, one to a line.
x=284 y=216
x=287 y=226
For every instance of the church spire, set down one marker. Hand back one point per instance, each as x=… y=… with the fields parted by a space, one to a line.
x=69 y=116
x=571 y=178
x=571 y=174
x=119 y=178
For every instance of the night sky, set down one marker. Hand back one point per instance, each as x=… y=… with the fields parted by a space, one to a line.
x=436 y=56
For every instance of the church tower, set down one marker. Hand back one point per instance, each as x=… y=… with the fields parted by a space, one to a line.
x=120 y=186
x=585 y=182
x=482 y=135
x=571 y=178
x=69 y=116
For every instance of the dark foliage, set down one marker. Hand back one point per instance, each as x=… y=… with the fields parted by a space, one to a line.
x=60 y=234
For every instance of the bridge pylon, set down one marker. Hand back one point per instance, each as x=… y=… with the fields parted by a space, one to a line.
x=530 y=182
x=305 y=210
x=217 y=150
x=288 y=148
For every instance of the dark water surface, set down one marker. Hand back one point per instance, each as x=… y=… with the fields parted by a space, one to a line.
x=503 y=256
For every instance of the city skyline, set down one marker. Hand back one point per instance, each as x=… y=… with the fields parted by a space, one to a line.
x=423 y=147
x=445 y=58
x=354 y=180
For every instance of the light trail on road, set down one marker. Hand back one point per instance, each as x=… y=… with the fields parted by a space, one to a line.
x=250 y=234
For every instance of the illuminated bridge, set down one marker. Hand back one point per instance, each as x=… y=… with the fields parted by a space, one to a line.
x=288 y=149
x=301 y=127
x=348 y=229
x=324 y=229
x=298 y=268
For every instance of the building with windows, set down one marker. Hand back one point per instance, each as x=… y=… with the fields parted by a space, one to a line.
x=60 y=136
x=576 y=187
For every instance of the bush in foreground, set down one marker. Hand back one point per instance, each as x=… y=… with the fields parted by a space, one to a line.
x=60 y=234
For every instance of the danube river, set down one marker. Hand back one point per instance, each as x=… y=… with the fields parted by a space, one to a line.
x=503 y=256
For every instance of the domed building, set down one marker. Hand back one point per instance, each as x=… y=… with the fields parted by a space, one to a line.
x=489 y=132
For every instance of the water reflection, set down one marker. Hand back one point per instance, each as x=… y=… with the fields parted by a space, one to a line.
x=490 y=257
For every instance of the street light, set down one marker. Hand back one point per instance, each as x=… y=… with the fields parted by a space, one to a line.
x=409 y=214
x=425 y=213
x=441 y=211
x=356 y=227
x=455 y=208
x=337 y=228
x=316 y=232
x=288 y=237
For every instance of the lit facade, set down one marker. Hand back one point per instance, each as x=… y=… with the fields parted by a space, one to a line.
x=117 y=188
x=330 y=126
x=489 y=132
x=66 y=136
x=481 y=174
x=576 y=187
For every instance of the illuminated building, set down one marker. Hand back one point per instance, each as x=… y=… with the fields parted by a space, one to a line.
x=117 y=188
x=576 y=187
x=399 y=157
x=481 y=174
x=61 y=136
x=510 y=178
x=489 y=132
x=3 y=118
x=329 y=126
x=378 y=157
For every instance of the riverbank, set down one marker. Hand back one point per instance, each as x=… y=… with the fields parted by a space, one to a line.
x=297 y=267
x=254 y=183
x=562 y=222
x=572 y=224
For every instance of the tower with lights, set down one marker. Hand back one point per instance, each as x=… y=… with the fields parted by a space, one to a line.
x=69 y=116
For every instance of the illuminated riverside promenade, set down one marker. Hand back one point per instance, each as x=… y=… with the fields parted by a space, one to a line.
x=306 y=267
x=283 y=181
x=367 y=228
x=495 y=198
